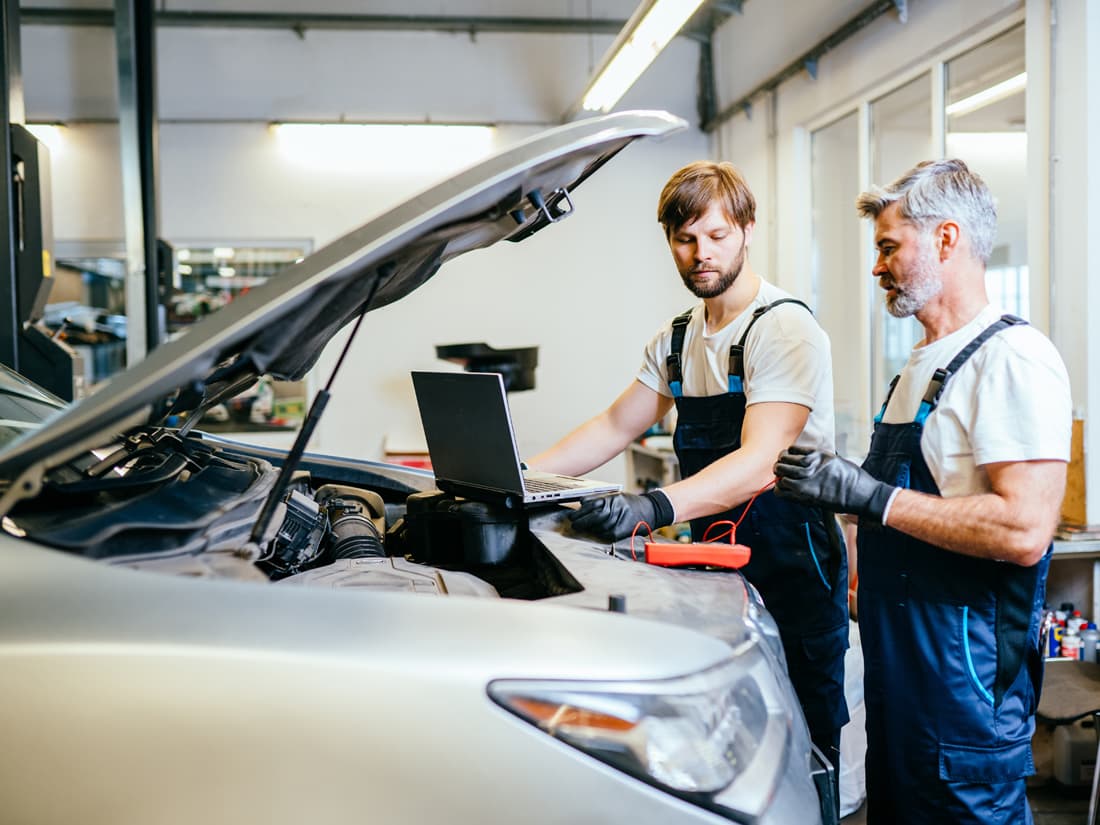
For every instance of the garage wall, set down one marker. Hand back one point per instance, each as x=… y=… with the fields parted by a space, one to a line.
x=864 y=62
x=589 y=291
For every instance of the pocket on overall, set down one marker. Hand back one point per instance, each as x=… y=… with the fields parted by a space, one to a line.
x=978 y=646
x=986 y=765
x=816 y=666
x=819 y=556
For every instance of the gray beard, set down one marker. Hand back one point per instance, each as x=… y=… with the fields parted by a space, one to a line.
x=923 y=288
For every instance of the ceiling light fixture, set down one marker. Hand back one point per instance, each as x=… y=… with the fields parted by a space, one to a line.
x=430 y=147
x=646 y=33
x=996 y=92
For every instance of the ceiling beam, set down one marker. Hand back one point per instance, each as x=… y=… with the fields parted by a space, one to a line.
x=301 y=23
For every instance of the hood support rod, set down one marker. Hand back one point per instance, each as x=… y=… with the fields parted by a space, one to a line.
x=294 y=457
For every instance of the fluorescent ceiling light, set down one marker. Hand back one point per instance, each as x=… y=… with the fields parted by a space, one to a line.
x=385 y=148
x=979 y=100
x=647 y=32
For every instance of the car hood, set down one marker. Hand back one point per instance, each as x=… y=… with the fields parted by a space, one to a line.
x=280 y=328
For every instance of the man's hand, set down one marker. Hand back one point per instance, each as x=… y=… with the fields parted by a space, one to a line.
x=831 y=482
x=611 y=518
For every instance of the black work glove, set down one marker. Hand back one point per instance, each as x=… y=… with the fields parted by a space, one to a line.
x=831 y=482
x=611 y=518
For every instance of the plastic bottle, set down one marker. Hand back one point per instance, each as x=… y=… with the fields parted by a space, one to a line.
x=1074 y=753
x=1090 y=641
x=1046 y=629
x=1075 y=621
x=1071 y=644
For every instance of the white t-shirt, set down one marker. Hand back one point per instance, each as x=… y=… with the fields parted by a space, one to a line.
x=787 y=358
x=1010 y=401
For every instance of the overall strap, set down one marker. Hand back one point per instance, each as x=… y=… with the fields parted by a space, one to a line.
x=889 y=395
x=737 y=351
x=674 y=362
x=941 y=375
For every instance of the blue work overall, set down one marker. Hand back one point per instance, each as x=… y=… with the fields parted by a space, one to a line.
x=798 y=562
x=951 y=654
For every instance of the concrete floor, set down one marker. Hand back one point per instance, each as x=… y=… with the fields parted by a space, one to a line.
x=1051 y=804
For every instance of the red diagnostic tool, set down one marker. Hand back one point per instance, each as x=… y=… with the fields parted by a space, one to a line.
x=709 y=553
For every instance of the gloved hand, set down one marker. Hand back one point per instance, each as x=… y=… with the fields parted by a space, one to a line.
x=611 y=518
x=831 y=482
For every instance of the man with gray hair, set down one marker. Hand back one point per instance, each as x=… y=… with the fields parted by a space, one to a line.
x=956 y=502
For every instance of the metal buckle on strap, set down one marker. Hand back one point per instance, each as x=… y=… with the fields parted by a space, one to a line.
x=931 y=395
x=935 y=386
x=737 y=361
x=675 y=373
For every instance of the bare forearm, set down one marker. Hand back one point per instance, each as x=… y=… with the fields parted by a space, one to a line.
x=732 y=479
x=726 y=483
x=988 y=526
x=593 y=443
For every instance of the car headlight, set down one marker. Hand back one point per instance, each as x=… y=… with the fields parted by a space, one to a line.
x=694 y=734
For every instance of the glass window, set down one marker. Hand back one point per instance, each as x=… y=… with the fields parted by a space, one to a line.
x=986 y=127
x=836 y=270
x=901 y=137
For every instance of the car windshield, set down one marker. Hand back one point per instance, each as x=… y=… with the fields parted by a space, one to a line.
x=23 y=406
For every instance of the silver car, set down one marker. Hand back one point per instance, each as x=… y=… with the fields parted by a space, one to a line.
x=198 y=631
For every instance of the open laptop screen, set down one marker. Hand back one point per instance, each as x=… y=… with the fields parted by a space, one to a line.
x=468 y=429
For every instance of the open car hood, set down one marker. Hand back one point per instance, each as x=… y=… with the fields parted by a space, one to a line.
x=280 y=328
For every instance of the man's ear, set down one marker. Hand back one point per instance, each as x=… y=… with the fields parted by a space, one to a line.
x=749 y=227
x=948 y=236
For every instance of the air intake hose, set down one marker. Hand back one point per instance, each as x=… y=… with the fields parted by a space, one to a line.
x=354 y=534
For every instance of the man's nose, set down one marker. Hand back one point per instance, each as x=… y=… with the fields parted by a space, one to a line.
x=879 y=269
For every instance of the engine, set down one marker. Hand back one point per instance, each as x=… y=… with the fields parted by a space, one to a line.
x=335 y=522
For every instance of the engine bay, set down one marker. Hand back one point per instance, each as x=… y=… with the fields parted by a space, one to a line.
x=181 y=505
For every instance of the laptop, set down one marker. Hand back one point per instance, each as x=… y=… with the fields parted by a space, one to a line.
x=473 y=447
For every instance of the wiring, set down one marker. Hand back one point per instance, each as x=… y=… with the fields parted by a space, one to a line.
x=732 y=532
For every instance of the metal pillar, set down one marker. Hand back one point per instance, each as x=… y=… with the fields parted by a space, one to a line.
x=11 y=108
x=136 y=47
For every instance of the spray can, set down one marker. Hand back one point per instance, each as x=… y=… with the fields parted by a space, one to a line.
x=1071 y=644
x=1090 y=640
x=1055 y=639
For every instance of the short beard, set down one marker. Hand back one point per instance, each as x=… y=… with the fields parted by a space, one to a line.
x=724 y=282
x=924 y=284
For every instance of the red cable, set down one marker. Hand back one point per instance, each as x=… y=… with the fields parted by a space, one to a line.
x=734 y=525
x=732 y=531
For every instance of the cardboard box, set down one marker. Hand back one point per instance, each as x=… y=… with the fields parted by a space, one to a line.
x=1073 y=505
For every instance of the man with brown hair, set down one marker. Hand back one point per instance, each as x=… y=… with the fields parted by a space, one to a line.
x=749 y=371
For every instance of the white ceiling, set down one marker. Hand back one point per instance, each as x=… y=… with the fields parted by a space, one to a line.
x=364 y=74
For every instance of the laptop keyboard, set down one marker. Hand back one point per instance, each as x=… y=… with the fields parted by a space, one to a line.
x=535 y=485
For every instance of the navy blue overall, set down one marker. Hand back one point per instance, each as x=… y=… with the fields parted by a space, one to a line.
x=951 y=655
x=798 y=561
